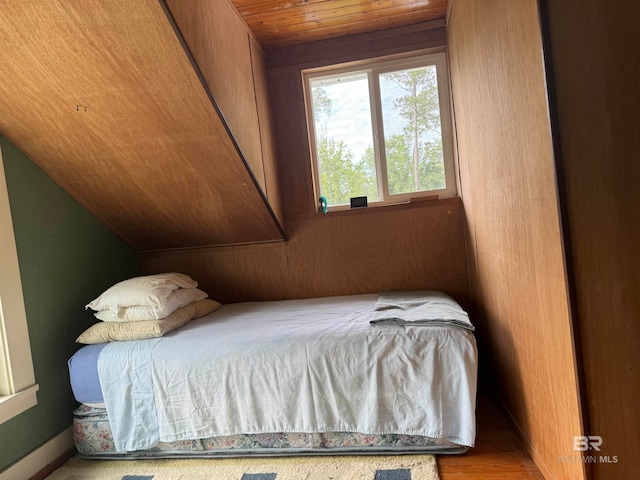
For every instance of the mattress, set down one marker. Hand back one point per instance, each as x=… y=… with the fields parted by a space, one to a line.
x=93 y=440
x=300 y=373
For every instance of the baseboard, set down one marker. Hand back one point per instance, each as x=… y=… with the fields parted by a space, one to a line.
x=38 y=460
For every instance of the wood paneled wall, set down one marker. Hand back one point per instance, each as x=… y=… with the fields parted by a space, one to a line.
x=361 y=251
x=596 y=71
x=510 y=199
x=341 y=254
x=234 y=69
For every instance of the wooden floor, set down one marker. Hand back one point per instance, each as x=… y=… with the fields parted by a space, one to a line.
x=498 y=454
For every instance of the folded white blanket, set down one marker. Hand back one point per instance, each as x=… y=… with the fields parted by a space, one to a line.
x=419 y=307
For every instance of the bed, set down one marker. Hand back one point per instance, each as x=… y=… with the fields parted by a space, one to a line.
x=357 y=374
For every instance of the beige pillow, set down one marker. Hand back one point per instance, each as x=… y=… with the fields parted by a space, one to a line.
x=175 y=300
x=149 y=290
x=122 y=331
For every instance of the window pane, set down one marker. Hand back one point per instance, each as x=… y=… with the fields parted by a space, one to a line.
x=344 y=138
x=412 y=131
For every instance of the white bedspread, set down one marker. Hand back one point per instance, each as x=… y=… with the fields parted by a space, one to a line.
x=313 y=365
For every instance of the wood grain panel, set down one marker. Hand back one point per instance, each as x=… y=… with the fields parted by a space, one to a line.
x=375 y=44
x=292 y=146
x=508 y=185
x=320 y=12
x=353 y=18
x=419 y=247
x=228 y=274
x=267 y=135
x=251 y=8
x=389 y=248
x=102 y=96
x=278 y=23
x=329 y=32
x=596 y=72
x=220 y=45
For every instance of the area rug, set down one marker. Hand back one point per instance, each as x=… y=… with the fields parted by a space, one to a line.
x=370 y=467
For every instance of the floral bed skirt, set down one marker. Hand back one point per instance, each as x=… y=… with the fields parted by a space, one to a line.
x=92 y=437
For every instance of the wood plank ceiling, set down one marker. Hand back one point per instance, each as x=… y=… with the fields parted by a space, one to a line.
x=283 y=23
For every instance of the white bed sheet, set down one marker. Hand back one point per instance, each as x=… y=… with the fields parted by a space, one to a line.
x=314 y=365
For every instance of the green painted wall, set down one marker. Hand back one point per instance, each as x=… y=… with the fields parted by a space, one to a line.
x=67 y=258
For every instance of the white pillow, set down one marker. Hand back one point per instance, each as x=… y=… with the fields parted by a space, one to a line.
x=150 y=290
x=103 y=332
x=176 y=299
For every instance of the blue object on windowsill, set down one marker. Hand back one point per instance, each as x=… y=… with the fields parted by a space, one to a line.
x=323 y=205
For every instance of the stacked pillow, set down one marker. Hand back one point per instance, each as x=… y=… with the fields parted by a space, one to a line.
x=146 y=307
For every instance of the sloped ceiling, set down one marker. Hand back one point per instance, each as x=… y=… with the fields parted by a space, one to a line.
x=106 y=99
x=103 y=97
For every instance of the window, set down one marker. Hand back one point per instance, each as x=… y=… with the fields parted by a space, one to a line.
x=381 y=129
x=17 y=382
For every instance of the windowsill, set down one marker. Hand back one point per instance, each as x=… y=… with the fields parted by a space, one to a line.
x=413 y=203
x=424 y=202
x=13 y=405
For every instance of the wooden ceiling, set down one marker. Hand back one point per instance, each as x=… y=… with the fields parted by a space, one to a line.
x=283 y=23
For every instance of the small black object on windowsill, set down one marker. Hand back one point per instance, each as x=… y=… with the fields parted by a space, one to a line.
x=359 y=202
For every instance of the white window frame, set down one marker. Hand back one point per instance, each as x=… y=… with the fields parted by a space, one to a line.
x=375 y=67
x=17 y=380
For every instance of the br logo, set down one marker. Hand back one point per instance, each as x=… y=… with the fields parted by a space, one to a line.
x=584 y=443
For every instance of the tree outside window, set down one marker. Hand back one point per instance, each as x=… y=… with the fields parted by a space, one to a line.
x=398 y=106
